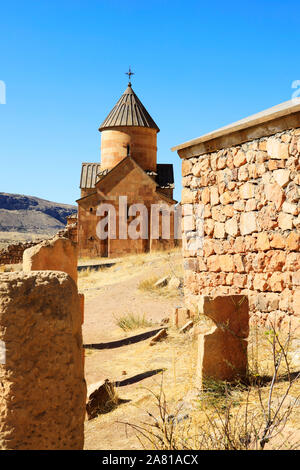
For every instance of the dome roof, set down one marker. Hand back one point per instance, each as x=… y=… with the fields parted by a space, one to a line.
x=129 y=111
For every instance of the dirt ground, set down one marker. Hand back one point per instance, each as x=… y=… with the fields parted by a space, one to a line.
x=141 y=369
x=110 y=293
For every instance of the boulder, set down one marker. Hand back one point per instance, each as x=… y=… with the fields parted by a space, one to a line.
x=174 y=283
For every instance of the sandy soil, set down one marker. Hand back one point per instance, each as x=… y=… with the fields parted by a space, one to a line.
x=113 y=292
x=140 y=368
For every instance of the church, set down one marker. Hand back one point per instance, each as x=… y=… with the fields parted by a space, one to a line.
x=128 y=172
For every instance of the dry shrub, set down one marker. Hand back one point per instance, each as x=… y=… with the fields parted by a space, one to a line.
x=148 y=285
x=131 y=321
x=253 y=415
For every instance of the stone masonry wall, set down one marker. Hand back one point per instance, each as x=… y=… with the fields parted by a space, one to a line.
x=13 y=254
x=250 y=193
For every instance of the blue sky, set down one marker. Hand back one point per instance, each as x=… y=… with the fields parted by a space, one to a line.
x=198 y=66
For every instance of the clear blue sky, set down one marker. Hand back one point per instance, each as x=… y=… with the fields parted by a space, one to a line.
x=199 y=65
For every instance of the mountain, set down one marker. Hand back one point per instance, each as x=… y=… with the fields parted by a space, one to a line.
x=29 y=214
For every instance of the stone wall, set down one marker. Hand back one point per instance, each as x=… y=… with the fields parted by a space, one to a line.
x=13 y=254
x=57 y=254
x=250 y=195
x=43 y=391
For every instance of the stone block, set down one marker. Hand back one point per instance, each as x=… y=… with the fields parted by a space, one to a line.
x=160 y=336
x=222 y=352
x=43 y=394
x=296 y=303
x=274 y=194
x=282 y=177
x=181 y=316
x=219 y=230
x=231 y=227
x=285 y=221
x=277 y=149
x=248 y=223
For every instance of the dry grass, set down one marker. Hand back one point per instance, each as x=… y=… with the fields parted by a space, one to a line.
x=148 y=286
x=8 y=268
x=8 y=238
x=129 y=267
x=230 y=416
x=131 y=321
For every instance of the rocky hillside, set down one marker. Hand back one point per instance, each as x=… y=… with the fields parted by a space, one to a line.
x=28 y=214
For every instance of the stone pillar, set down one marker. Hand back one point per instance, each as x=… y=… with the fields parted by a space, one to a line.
x=57 y=254
x=42 y=385
x=222 y=353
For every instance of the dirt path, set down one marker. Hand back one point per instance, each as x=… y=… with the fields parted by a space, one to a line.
x=104 y=304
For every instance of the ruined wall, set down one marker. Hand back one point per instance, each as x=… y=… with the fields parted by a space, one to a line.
x=129 y=181
x=57 y=254
x=13 y=254
x=43 y=391
x=250 y=194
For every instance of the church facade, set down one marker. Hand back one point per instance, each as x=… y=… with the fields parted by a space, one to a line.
x=126 y=184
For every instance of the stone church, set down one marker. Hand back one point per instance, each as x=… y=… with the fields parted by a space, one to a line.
x=128 y=168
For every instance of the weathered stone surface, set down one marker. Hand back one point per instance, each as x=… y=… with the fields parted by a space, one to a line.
x=277 y=149
x=285 y=221
x=230 y=312
x=239 y=159
x=181 y=316
x=57 y=254
x=101 y=398
x=43 y=388
x=247 y=191
x=162 y=282
x=296 y=303
x=274 y=194
x=231 y=227
x=222 y=352
x=187 y=196
x=174 y=283
x=160 y=336
x=186 y=327
x=252 y=198
x=282 y=177
x=219 y=230
x=221 y=356
x=248 y=223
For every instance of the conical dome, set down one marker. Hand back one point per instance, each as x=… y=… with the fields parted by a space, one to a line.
x=129 y=111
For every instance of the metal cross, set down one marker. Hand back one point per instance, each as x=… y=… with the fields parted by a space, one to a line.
x=129 y=73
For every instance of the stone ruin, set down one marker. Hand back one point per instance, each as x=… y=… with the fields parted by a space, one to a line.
x=13 y=253
x=57 y=254
x=41 y=353
x=222 y=348
x=41 y=371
